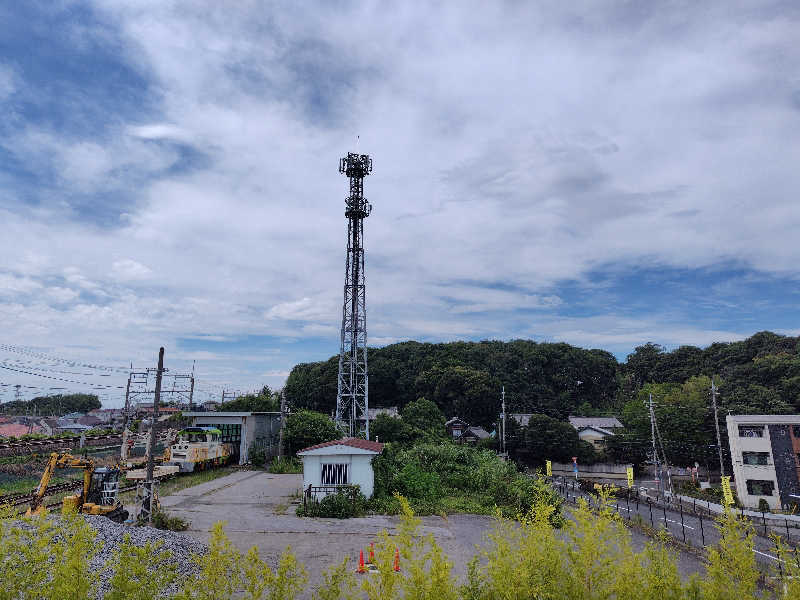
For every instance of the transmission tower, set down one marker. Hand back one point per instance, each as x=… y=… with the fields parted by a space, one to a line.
x=352 y=397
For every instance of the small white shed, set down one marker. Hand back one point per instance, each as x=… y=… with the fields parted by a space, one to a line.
x=340 y=462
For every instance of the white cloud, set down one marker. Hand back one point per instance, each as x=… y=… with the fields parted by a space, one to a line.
x=514 y=147
x=127 y=269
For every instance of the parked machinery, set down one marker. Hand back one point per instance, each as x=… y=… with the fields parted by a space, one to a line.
x=198 y=448
x=98 y=496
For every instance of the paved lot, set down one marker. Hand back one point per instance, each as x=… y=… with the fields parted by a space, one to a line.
x=252 y=502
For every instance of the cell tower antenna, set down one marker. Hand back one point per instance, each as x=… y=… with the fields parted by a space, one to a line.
x=352 y=395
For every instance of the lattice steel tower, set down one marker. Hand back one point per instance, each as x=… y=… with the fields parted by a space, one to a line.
x=352 y=396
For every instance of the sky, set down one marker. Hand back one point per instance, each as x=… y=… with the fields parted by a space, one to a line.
x=600 y=173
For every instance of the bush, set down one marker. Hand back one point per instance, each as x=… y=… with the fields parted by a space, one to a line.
x=455 y=477
x=347 y=502
x=162 y=520
x=258 y=455
x=763 y=505
x=286 y=464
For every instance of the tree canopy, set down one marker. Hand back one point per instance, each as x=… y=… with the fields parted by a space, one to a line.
x=57 y=405
x=264 y=401
x=307 y=428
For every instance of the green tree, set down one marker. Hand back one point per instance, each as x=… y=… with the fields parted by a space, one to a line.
x=424 y=415
x=264 y=401
x=307 y=428
x=546 y=438
x=390 y=429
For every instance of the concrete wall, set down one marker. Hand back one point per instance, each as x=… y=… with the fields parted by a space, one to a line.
x=360 y=470
x=597 y=471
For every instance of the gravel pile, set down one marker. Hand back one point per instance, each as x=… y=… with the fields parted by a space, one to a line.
x=182 y=546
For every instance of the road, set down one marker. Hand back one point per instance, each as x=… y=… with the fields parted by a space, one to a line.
x=694 y=529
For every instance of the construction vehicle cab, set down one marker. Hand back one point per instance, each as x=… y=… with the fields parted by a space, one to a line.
x=98 y=495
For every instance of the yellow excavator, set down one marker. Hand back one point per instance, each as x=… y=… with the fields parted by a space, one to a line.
x=97 y=496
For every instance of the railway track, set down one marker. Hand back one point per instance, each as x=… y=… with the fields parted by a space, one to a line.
x=17 y=499
x=31 y=446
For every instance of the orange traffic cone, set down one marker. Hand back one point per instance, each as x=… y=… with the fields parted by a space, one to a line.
x=361 y=568
x=372 y=553
x=397 y=560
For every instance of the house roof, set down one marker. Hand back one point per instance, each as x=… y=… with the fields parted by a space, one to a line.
x=597 y=429
x=7 y=430
x=352 y=442
x=604 y=422
x=454 y=420
x=478 y=432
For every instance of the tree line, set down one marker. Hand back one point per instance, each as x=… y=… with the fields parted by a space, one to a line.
x=758 y=375
x=55 y=405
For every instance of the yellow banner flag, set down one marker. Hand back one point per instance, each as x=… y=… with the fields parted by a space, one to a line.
x=727 y=494
x=548 y=467
x=630 y=476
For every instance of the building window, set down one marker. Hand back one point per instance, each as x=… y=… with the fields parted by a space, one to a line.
x=755 y=458
x=751 y=431
x=760 y=487
x=335 y=474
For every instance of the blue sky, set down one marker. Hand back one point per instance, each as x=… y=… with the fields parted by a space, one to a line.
x=605 y=174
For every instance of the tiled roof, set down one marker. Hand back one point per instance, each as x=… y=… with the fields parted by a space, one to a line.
x=13 y=429
x=359 y=443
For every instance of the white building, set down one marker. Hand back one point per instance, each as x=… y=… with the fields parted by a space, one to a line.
x=765 y=452
x=340 y=462
x=244 y=430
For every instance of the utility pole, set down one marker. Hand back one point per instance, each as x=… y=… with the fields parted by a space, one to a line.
x=191 y=390
x=655 y=451
x=503 y=421
x=283 y=424
x=716 y=425
x=152 y=442
x=124 y=450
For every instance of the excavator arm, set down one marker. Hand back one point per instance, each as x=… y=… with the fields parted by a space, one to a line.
x=61 y=461
x=36 y=500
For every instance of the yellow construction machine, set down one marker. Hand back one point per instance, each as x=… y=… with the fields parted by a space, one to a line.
x=98 y=495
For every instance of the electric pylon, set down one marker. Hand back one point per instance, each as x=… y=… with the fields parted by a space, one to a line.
x=352 y=396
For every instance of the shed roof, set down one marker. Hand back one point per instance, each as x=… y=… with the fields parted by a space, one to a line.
x=352 y=442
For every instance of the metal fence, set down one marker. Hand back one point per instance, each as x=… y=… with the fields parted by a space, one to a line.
x=688 y=522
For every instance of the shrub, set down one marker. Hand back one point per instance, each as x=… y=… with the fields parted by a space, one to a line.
x=162 y=520
x=763 y=505
x=286 y=464
x=347 y=502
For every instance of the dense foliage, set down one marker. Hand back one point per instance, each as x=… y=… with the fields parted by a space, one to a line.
x=264 y=401
x=759 y=375
x=420 y=419
x=448 y=477
x=307 y=428
x=592 y=558
x=464 y=378
x=347 y=502
x=57 y=404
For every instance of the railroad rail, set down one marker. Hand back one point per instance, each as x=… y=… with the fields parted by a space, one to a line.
x=52 y=444
x=17 y=499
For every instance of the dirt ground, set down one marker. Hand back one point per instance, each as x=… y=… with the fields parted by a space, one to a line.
x=256 y=508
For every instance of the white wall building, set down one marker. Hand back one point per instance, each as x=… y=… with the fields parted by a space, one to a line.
x=765 y=452
x=340 y=462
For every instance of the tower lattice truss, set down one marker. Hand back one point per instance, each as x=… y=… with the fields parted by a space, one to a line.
x=352 y=398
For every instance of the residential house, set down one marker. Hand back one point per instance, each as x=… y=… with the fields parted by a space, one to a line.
x=474 y=434
x=210 y=405
x=595 y=430
x=456 y=427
